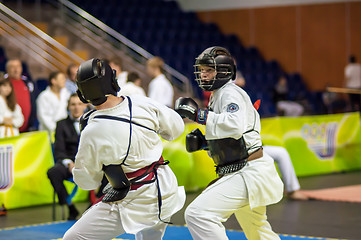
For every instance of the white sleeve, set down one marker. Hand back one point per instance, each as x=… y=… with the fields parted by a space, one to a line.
x=228 y=123
x=18 y=119
x=87 y=172
x=44 y=113
x=152 y=91
x=171 y=125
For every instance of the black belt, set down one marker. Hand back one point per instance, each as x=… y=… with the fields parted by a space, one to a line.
x=238 y=164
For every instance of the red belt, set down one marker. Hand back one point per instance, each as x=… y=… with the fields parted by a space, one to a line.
x=144 y=175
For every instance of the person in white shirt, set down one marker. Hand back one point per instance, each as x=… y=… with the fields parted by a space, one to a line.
x=133 y=86
x=52 y=102
x=353 y=80
x=11 y=117
x=121 y=139
x=160 y=89
x=248 y=180
x=117 y=65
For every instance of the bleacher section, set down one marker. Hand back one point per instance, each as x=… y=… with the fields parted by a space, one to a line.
x=163 y=29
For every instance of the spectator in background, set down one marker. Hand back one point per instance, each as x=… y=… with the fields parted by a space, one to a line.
x=353 y=80
x=24 y=93
x=70 y=81
x=280 y=97
x=284 y=163
x=160 y=89
x=133 y=86
x=65 y=148
x=52 y=102
x=11 y=117
x=117 y=65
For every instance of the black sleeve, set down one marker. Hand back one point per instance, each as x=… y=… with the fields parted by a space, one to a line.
x=60 y=152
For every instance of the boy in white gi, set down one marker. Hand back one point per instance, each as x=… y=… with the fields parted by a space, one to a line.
x=120 y=139
x=248 y=180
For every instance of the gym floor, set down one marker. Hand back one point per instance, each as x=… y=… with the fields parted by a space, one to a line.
x=306 y=218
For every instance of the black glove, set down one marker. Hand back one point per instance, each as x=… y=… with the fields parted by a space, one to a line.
x=115 y=194
x=118 y=181
x=187 y=107
x=196 y=141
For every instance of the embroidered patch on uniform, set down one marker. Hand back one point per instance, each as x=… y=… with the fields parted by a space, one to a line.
x=232 y=108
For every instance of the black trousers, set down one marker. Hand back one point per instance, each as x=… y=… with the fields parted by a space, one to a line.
x=57 y=175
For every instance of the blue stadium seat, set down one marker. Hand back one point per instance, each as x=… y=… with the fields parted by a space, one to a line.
x=41 y=84
x=162 y=28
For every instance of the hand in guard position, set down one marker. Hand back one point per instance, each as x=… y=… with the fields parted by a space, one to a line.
x=196 y=141
x=187 y=107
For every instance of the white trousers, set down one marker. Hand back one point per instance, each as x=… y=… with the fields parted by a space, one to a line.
x=204 y=216
x=102 y=222
x=284 y=163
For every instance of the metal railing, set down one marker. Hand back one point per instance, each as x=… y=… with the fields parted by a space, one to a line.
x=37 y=44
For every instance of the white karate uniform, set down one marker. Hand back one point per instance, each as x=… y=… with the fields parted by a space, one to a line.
x=284 y=163
x=161 y=90
x=105 y=142
x=131 y=89
x=247 y=192
x=17 y=115
x=51 y=109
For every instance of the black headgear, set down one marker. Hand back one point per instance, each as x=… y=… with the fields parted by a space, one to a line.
x=221 y=60
x=96 y=80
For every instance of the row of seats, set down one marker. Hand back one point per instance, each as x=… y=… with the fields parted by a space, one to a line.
x=163 y=29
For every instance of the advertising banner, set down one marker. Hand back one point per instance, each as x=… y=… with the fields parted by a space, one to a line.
x=24 y=162
x=317 y=144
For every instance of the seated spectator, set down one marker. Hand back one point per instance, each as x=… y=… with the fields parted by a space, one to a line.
x=117 y=65
x=65 y=148
x=52 y=102
x=24 y=92
x=70 y=81
x=11 y=117
x=280 y=97
x=284 y=163
x=133 y=86
x=160 y=89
